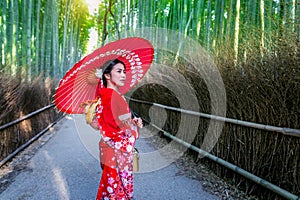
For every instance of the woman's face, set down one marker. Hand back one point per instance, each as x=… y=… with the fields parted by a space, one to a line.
x=117 y=75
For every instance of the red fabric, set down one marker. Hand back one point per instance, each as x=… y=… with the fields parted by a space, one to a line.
x=116 y=145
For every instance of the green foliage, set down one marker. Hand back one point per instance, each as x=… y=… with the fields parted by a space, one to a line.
x=109 y=19
x=209 y=21
x=84 y=21
x=43 y=36
x=212 y=22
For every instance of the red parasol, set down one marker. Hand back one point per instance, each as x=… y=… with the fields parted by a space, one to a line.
x=80 y=82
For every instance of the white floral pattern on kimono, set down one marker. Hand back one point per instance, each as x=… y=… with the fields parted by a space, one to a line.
x=116 y=147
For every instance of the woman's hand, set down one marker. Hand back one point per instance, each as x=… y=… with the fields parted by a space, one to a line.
x=138 y=122
x=95 y=124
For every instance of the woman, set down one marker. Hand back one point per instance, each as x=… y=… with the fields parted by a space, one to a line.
x=118 y=135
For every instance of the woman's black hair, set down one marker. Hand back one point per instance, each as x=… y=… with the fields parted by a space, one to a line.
x=107 y=67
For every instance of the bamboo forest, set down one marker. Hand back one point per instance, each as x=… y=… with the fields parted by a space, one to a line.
x=254 y=44
x=48 y=36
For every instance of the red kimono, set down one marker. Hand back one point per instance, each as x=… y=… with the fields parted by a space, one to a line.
x=116 y=146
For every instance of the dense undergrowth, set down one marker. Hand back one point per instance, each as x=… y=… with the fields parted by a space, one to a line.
x=19 y=98
x=261 y=89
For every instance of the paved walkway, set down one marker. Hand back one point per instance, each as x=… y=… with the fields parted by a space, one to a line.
x=66 y=167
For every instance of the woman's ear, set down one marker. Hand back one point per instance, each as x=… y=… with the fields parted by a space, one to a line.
x=107 y=76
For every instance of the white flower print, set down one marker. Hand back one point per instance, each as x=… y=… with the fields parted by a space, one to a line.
x=124 y=174
x=126 y=168
x=105 y=138
x=111 y=180
x=129 y=148
x=125 y=182
x=117 y=178
x=131 y=139
x=109 y=189
x=118 y=145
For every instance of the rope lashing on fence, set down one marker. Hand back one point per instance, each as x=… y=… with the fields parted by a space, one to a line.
x=285 y=131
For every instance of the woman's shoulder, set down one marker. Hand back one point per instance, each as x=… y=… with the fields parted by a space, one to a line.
x=106 y=91
x=108 y=94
